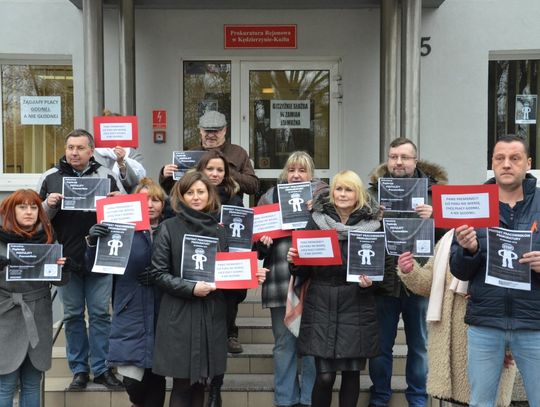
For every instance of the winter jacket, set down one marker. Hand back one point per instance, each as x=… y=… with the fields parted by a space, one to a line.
x=135 y=308
x=447 y=341
x=14 y=333
x=274 y=289
x=72 y=226
x=191 y=333
x=391 y=285
x=339 y=319
x=493 y=306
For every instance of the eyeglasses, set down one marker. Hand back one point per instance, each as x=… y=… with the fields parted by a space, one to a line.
x=404 y=158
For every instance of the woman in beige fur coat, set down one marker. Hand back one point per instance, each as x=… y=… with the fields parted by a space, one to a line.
x=447 y=331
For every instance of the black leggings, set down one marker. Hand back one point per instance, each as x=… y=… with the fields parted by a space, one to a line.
x=184 y=394
x=349 y=391
x=150 y=392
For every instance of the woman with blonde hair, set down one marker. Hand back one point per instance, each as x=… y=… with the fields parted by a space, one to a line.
x=289 y=388
x=339 y=321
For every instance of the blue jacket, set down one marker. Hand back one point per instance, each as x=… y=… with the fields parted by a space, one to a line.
x=135 y=309
x=498 y=307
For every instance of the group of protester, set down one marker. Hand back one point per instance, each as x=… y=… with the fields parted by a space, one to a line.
x=164 y=325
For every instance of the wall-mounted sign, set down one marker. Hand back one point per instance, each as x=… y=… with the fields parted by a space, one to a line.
x=41 y=110
x=260 y=36
x=159 y=119
x=292 y=114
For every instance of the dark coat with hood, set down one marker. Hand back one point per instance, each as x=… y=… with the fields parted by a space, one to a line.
x=339 y=319
x=392 y=285
x=493 y=306
x=15 y=336
x=135 y=308
x=191 y=333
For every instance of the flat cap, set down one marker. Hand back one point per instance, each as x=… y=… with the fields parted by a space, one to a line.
x=212 y=120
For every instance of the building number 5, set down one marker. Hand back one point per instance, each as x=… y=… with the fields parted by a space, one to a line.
x=425 y=47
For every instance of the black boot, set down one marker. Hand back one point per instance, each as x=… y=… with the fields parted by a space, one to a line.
x=214 y=396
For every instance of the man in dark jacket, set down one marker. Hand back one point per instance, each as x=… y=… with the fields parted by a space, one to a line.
x=502 y=318
x=92 y=289
x=393 y=298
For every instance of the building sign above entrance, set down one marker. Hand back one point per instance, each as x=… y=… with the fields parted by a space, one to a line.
x=260 y=36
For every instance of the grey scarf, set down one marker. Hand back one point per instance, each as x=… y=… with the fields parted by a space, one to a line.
x=325 y=222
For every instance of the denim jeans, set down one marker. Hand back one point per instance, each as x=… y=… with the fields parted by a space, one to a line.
x=413 y=309
x=94 y=290
x=288 y=390
x=28 y=378
x=486 y=351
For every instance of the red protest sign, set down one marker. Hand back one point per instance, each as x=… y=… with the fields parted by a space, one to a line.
x=236 y=270
x=130 y=208
x=316 y=247
x=267 y=221
x=112 y=131
x=472 y=205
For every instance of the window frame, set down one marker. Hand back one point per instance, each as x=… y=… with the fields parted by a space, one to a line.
x=12 y=181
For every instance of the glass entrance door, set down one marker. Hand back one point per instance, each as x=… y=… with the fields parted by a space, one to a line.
x=287 y=107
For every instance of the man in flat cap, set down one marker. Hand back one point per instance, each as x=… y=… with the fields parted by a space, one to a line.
x=213 y=127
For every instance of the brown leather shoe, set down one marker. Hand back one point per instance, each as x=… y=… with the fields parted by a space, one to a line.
x=233 y=346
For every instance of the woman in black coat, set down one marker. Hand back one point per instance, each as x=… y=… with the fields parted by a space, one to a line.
x=339 y=320
x=135 y=309
x=191 y=333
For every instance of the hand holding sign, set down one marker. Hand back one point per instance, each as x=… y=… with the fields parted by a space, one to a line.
x=466 y=238
x=533 y=259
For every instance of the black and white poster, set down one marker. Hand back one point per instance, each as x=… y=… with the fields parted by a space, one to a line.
x=81 y=193
x=366 y=255
x=185 y=160
x=199 y=258
x=526 y=106
x=293 y=200
x=238 y=224
x=413 y=235
x=112 y=251
x=33 y=262
x=402 y=194
x=504 y=249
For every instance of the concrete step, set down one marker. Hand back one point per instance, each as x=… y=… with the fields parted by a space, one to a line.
x=238 y=391
x=256 y=359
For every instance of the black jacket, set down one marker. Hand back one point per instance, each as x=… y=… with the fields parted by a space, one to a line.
x=392 y=285
x=339 y=319
x=191 y=333
x=72 y=226
x=493 y=306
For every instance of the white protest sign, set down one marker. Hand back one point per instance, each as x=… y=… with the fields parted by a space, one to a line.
x=41 y=110
x=465 y=206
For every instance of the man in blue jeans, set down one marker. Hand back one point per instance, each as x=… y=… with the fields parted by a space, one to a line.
x=502 y=318
x=393 y=298
x=84 y=288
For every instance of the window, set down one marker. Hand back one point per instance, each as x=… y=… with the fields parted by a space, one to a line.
x=513 y=103
x=37 y=113
x=207 y=86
